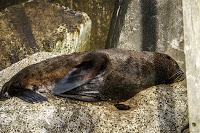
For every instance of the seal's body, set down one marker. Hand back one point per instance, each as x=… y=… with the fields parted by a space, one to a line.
x=111 y=75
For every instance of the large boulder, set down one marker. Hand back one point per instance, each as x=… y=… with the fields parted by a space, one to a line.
x=149 y=25
x=41 y=26
x=100 y=12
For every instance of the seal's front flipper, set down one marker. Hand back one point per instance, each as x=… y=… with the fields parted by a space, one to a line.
x=75 y=78
x=81 y=74
x=29 y=96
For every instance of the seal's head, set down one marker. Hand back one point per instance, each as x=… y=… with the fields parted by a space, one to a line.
x=167 y=69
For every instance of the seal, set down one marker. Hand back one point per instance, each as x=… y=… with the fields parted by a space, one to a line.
x=113 y=75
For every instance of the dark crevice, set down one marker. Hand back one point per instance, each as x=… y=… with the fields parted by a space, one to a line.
x=6 y=3
x=22 y=25
x=149 y=25
x=117 y=23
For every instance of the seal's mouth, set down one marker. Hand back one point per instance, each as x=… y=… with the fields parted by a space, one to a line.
x=177 y=77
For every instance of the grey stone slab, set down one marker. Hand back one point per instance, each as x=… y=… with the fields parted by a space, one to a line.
x=38 y=26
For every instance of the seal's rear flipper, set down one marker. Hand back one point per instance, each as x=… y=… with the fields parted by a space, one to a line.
x=32 y=97
x=29 y=96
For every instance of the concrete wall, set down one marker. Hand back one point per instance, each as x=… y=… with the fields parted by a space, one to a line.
x=191 y=10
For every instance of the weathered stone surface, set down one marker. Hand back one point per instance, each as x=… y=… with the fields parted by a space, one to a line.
x=150 y=25
x=100 y=12
x=6 y=3
x=41 y=26
x=157 y=109
x=191 y=15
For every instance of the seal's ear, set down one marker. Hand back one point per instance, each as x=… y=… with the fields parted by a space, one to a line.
x=91 y=65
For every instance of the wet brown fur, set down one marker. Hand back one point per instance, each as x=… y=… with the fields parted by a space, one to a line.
x=126 y=72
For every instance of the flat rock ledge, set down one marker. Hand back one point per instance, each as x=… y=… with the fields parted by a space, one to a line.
x=157 y=109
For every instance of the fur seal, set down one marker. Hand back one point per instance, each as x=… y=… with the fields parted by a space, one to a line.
x=105 y=75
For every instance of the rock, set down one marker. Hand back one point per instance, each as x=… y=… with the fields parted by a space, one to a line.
x=157 y=109
x=41 y=26
x=100 y=12
x=149 y=25
x=186 y=131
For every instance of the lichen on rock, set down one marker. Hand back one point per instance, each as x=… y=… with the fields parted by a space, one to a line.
x=41 y=26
